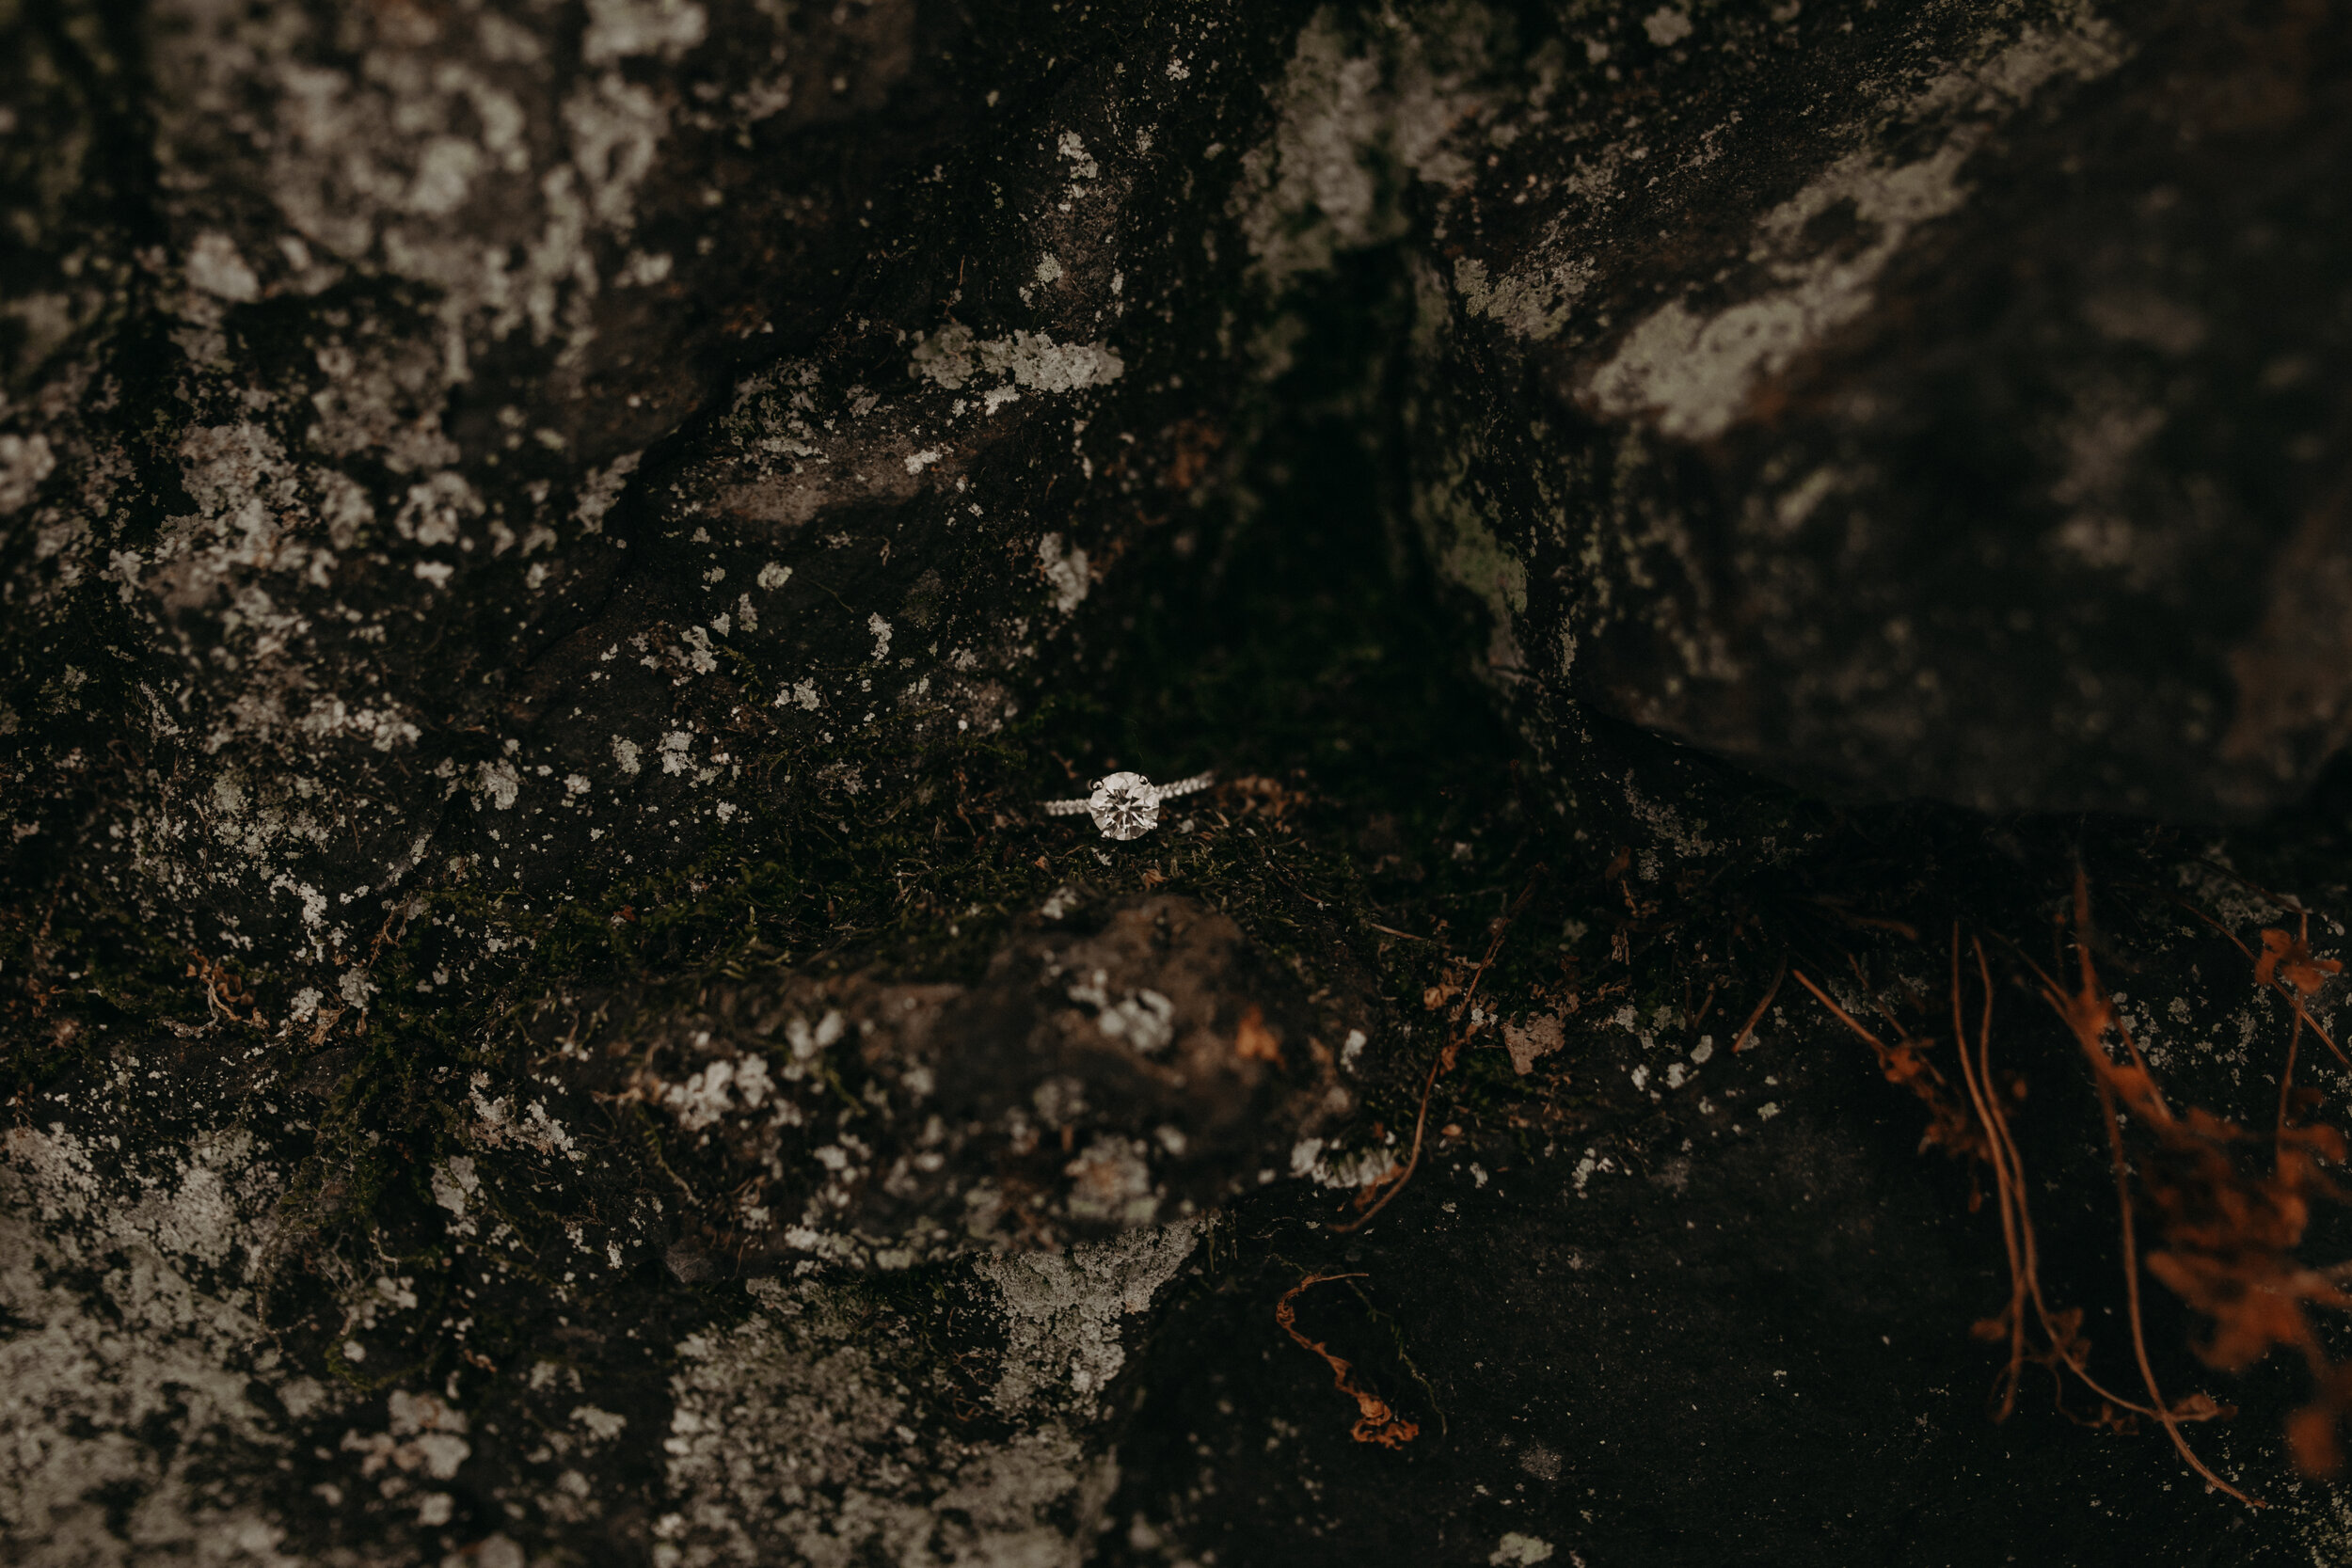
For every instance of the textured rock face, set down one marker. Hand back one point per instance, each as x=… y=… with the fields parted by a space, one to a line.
x=1926 y=402
x=498 y=424
x=1135 y=1069
x=464 y=472
x=798 y=1395
x=549 y=550
x=487 y=433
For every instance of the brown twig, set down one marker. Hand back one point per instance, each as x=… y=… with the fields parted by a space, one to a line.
x=2066 y=1348
x=1375 y=1196
x=2131 y=1286
x=1986 y=1137
x=2089 y=1013
x=1975 y=1076
x=1780 y=973
x=1376 y=1421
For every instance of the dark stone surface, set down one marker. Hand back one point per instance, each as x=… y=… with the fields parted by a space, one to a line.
x=549 y=550
x=1926 y=401
x=1119 y=1064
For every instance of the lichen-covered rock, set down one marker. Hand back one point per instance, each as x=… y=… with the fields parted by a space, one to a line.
x=533 y=443
x=144 y=1404
x=795 y=1435
x=476 y=486
x=1925 y=401
x=1122 y=1064
x=548 y=550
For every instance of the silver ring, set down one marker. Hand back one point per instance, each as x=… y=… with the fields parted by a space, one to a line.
x=1126 y=805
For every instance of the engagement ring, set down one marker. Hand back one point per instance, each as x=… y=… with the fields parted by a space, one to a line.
x=1126 y=805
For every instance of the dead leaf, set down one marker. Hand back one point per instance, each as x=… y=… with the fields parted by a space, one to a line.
x=1254 y=1041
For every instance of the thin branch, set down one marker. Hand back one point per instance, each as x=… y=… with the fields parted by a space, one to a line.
x=1446 y=1058
x=2001 y=1193
x=1780 y=973
x=1375 y=1421
x=2131 y=1285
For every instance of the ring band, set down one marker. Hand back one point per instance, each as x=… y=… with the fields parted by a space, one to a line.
x=1126 y=805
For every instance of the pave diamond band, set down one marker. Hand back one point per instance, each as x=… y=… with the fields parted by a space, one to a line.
x=1126 y=805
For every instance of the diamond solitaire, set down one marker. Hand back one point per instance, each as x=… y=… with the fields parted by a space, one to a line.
x=1126 y=805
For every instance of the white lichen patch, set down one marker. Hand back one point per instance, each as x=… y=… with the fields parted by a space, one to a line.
x=1531 y=301
x=454 y=1185
x=717 y=1089
x=1343 y=1169
x=952 y=357
x=1692 y=370
x=1531 y=1041
x=1358 y=119
x=602 y=488
x=425 y=1437
x=1517 y=1550
x=1462 y=536
x=1065 y=571
x=216 y=266
x=1111 y=1181
x=141 y=1389
x=1666 y=26
x=795 y=1436
x=499 y=783
x=24 y=462
x=1063 y=1310
x=618 y=30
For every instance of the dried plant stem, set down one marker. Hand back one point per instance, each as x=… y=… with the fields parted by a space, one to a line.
x=1390 y=1186
x=1993 y=1144
x=1838 y=1012
x=2220 y=1238
x=2131 y=1288
x=1375 y=1421
x=1375 y=1196
x=1780 y=973
x=1980 y=1094
x=2062 y=1345
x=2089 y=1013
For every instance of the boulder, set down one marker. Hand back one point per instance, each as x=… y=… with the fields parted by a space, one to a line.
x=1932 y=401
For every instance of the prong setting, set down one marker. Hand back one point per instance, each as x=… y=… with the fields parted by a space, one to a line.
x=1126 y=805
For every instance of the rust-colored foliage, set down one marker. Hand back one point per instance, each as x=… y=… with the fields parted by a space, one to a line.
x=224 y=990
x=2203 y=1178
x=1376 y=1421
x=2226 y=1232
x=1979 y=1132
x=2223 y=1230
x=2288 y=961
x=2060 y=1348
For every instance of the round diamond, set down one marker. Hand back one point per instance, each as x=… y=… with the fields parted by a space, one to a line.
x=1124 y=806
